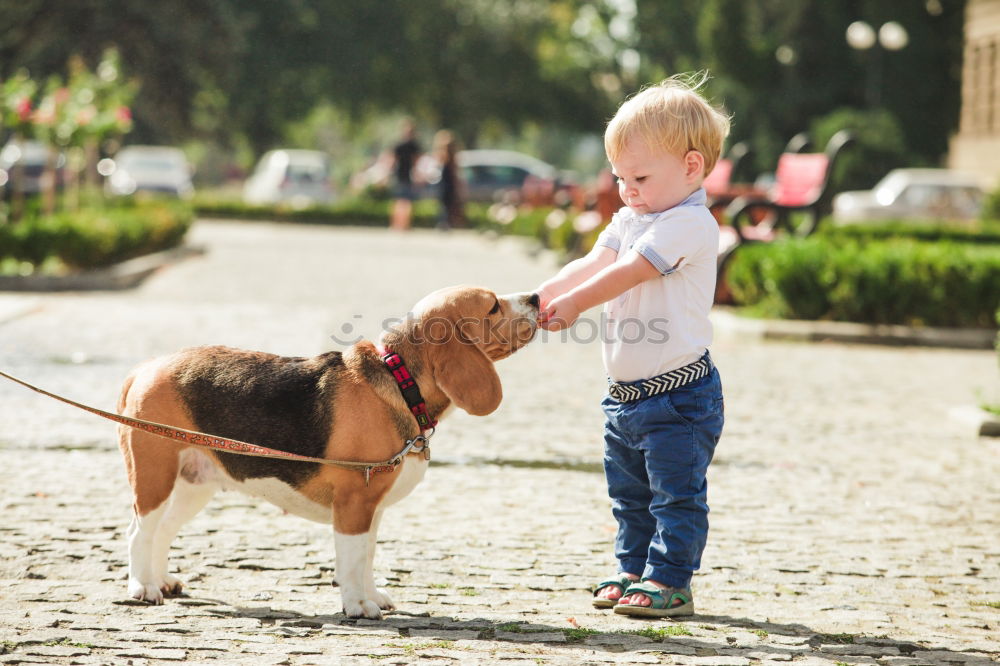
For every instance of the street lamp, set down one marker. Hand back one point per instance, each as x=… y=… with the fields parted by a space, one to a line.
x=861 y=36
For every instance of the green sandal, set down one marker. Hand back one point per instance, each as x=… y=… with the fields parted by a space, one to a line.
x=662 y=601
x=621 y=581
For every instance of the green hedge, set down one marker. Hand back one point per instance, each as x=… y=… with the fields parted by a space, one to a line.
x=375 y=212
x=985 y=232
x=888 y=281
x=355 y=212
x=892 y=273
x=95 y=237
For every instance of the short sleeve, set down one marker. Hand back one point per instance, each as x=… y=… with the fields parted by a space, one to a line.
x=611 y=235
x=675 y=240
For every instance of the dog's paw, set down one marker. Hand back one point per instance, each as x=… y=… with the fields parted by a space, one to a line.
x=171 y=585
x=150 y=593
x=383 y=600
x=362 y=608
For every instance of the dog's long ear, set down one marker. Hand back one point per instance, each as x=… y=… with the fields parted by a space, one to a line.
x=467 y=377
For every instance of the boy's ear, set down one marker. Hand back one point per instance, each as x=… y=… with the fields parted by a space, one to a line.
x=694 y=165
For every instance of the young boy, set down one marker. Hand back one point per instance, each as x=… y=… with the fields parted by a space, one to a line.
x=654 y=268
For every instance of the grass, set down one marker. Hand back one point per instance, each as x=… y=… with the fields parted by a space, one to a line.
x=988 y=604
x=660 y=635
x=579 y=635
x=68 y=643
x=838 y=639
x=513 y=627
x=411 y=648
x=574 y=635
x=992 y=409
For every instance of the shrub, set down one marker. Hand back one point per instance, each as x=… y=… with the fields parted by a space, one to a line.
x=991 y=205
x=96 y=237
x=354 y=212
x=981 y=232
x=891 y=281
x=538 y=223
x=363 y=211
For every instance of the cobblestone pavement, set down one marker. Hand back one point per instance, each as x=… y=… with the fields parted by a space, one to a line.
x=852 y=521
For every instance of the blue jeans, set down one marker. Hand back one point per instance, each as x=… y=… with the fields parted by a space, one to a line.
x=656 y=454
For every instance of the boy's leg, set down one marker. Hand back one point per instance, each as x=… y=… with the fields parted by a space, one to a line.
x=683 y=429
x=628 y=488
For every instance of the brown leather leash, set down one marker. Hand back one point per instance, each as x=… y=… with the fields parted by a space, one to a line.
x=419 y=444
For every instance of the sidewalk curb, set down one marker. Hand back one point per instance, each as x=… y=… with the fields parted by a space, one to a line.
x=730 y=323
x=983 y=423
x=124 y=275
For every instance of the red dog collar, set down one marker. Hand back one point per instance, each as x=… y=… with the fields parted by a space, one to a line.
x=408 y=387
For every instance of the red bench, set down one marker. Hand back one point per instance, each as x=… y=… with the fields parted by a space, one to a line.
x=801 y=184
x=716 y=183
x=719 y=185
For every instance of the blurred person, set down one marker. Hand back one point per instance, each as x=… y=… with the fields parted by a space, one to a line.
x=654 y=268
x=405 y=154
x=450 y=195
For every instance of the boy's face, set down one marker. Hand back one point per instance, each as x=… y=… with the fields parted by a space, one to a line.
x=652 y=180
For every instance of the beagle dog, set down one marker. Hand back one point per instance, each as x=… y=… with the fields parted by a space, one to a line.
x=342 y=406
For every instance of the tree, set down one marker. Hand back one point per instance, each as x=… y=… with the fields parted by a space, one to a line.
x=176 y=49
x=779 y=64
x=242 y=71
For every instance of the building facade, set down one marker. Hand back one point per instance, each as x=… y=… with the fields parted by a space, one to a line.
x=976 y=147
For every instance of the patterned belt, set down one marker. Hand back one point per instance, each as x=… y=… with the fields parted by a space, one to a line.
x=668 y=381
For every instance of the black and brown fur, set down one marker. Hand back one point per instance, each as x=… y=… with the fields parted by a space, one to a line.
x=342 y=406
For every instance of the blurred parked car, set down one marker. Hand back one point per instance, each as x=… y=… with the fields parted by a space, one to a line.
x=496 y=175
x=299 y=178
x=31 y=155
x=488 y=176
x=929 y=194
x=161 y=169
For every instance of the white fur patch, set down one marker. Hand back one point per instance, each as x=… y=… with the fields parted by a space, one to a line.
x=354 y=575
x=143 y=583
x=411 y=473
x=284 y=496
x=197 y=468
x=519 y=305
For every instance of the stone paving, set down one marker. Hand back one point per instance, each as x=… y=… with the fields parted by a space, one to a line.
x=852 y=523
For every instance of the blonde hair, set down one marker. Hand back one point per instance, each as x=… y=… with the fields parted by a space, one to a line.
x=670 y=116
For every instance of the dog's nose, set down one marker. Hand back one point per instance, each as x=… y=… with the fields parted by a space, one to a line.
x=533 y=300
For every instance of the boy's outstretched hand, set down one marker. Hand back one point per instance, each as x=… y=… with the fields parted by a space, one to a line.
x=559 y=314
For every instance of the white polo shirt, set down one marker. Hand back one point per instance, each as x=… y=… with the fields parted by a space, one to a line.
x=662 y=324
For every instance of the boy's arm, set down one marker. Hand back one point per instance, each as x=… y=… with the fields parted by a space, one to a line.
x=575 y=273
x=607 y=283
